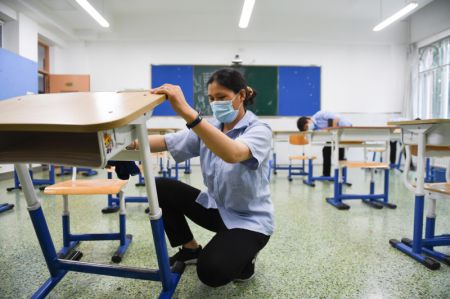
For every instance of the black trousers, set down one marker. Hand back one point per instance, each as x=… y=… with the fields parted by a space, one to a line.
x=227 y=254
x=326 y=154
x=393 y=153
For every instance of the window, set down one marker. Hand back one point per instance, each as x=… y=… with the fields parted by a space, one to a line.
x=44 y=67
x=434 y=80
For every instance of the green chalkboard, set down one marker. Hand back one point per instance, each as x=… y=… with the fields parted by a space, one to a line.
x=263 y=79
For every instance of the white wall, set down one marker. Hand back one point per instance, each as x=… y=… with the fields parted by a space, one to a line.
x=20 y=37
x=28 y=38
x=354 y=77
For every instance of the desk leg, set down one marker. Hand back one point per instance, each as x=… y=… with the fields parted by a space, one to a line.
x=42 y=232
x=169 y=279
x=398 y=165
x=274 y=164
x=414 y=250
x=336 y=200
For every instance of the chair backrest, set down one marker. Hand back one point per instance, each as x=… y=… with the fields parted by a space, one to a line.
x=298 y=139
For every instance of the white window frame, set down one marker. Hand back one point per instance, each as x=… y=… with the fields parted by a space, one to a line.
x=425 y=105
x=1 y=33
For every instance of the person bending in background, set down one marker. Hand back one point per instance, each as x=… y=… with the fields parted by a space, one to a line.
x=234 y=150
x=319 y=121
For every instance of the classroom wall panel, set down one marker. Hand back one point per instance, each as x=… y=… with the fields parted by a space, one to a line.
x=18 y=75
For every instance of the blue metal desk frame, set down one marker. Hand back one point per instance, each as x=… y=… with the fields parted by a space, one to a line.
x=58 y=268
x=423 y=133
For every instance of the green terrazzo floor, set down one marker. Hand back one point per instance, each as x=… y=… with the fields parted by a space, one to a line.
x=315 y=252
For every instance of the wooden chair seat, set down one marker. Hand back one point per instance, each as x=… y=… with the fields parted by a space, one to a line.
x=443 y=188
x=376 y=150
x=82 y=187
x=373 y=165
x=302 y=157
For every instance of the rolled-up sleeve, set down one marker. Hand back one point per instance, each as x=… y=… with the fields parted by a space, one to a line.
x=183 y=145
x=258 y=138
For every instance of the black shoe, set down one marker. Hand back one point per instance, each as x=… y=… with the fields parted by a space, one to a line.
x=248 y=273
x=185 y=255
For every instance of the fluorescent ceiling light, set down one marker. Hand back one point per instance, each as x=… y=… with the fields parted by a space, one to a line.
x=401 y=13
x=93 y=12
x=246 y=13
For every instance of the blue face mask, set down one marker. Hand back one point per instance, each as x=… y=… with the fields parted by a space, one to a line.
x=223 y=111
x=311 y=126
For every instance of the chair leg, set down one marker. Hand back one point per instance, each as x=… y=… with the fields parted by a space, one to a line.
x=113 y=202
x=125 y=239
x=372 y=202
x=68 y=244
x=290 y=171
x=6 y=207
x=309 y=181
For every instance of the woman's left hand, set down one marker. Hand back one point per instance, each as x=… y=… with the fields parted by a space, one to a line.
x=177 y=101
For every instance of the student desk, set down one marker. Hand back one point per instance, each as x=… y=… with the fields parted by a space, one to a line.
x=424 y=134
x=83 y=129
x=348 y=137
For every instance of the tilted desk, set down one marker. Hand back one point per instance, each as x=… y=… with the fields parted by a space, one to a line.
x=83 y=129
x=425 y=134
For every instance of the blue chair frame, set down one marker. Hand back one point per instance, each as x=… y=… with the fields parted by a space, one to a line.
x=6 y=207
x=41 y=183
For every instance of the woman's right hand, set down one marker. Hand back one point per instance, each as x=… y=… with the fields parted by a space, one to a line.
x=177 y=101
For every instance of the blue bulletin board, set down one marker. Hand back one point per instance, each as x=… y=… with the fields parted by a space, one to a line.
x=18 y=75
x=182 y=75
x=297 y=88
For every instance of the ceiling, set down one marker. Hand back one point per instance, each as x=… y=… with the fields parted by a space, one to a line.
x=146 y=19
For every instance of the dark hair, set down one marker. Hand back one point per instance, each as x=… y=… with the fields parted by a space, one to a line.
x=235 y=81
x=301 y=123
